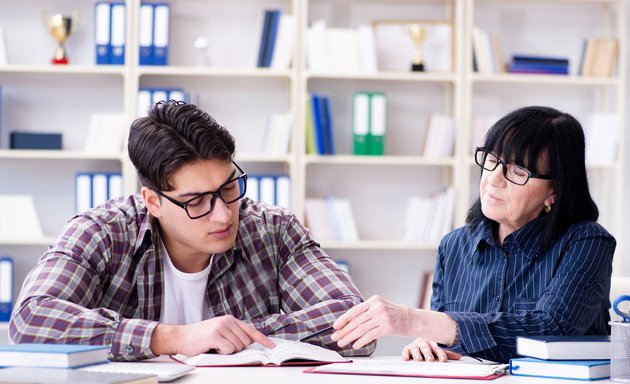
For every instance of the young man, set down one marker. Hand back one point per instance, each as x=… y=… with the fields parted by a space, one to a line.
x=189 y=266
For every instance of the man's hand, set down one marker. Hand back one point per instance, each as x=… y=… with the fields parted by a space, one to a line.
x=422 y=350
x=224 y=334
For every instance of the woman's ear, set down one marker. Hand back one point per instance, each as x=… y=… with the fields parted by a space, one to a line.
x=152 y=201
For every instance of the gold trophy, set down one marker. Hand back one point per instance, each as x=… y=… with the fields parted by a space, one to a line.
x=417 y=33
x=61 y=27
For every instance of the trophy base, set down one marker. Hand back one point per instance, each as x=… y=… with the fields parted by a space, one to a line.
x=62 y=61
x=417 y=67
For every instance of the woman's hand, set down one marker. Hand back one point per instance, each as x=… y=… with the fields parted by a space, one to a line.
x=422 y=350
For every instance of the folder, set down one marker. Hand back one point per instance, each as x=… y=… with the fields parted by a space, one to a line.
x=252 y=188
x=360 y=122
x=378 y=123
x=161 y=29
x=118 y=34
x=114 y=185
x=102 y=32
x=144 y=101
x=145 y=34
x=99 y=189
x=283 y=191
x=83 y=192
x=6 y=287
x=267 y=189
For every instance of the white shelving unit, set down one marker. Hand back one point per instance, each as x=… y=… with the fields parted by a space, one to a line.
x=40 y=97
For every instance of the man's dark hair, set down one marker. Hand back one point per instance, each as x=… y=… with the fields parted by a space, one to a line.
x=530 y=134
x=175 y=134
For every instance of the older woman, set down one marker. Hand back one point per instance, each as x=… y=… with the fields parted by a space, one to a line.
x=531 y=260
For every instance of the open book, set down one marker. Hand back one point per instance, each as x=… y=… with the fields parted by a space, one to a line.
x=286 y=352
x=452 y=369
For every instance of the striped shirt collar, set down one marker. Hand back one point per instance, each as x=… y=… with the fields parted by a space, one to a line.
x=528 y=238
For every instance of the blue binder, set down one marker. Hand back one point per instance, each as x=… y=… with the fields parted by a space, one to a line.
x=102 y=32
x=6 y=287
x=161 y=29
x=145 y=33
x=118 y=33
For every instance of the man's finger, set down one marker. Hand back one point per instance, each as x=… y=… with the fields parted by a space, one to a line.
x=257 y=336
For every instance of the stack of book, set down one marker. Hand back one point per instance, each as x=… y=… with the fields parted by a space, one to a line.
x=539 y=65
x=330 y=218
x=599 y=57
x=429 y=218
x=440 y=137
x=563 y=357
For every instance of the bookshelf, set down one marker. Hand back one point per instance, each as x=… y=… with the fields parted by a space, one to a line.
x=241 y=97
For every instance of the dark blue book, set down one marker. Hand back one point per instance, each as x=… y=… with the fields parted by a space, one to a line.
x=273 y=36
x=31 y=140
x=565 y=369
x=264 y=38
x=564 y=347
x=540 y=59
x=327 y=126
x=318 y=127
x=52 y=355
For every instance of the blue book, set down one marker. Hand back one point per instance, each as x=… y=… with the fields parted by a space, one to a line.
x=6 y=287
x=318 y=129
x=564 y=347
x=327 y=125
x=264 y=38
x=52 y=355
x=33 y=140
x=273 y=33
x=540 y=59
x=565 y=369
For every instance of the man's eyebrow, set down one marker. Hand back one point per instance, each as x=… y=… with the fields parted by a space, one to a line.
x=193 y=194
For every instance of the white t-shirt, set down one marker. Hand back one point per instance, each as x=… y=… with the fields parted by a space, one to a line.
x=184 y=295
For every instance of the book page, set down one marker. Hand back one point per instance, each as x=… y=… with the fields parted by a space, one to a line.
x=287 y=350
x=248 y=356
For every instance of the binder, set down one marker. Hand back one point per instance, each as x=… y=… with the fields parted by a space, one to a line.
x=361 y=123
x=102 y=32
x=114 y=185
x=158 y=95
x=378 y=123
x=83 y=192
x=177 y=94
x=283 y=191
x=252 y=188
x=318 y=128
x=6 y=287
x=144 y=101
x=161 y=28
x=99 y=189
x=267 y=189
x=145 y=34
x=118 y=34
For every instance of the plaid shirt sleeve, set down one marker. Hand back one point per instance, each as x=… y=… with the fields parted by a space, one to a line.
x=62 y=297
x=313 y=289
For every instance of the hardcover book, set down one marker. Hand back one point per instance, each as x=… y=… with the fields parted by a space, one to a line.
x=52 y=355
x=565 y=369
x=564 y=347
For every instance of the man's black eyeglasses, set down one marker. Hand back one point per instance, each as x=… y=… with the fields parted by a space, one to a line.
x=512 y=172
x=202 y=204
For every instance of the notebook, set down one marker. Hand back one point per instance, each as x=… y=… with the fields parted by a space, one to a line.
x=165 y=371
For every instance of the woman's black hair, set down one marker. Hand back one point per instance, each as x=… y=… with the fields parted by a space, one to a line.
x=531 y=134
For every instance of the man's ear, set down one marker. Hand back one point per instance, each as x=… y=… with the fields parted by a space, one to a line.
x=152 y=201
